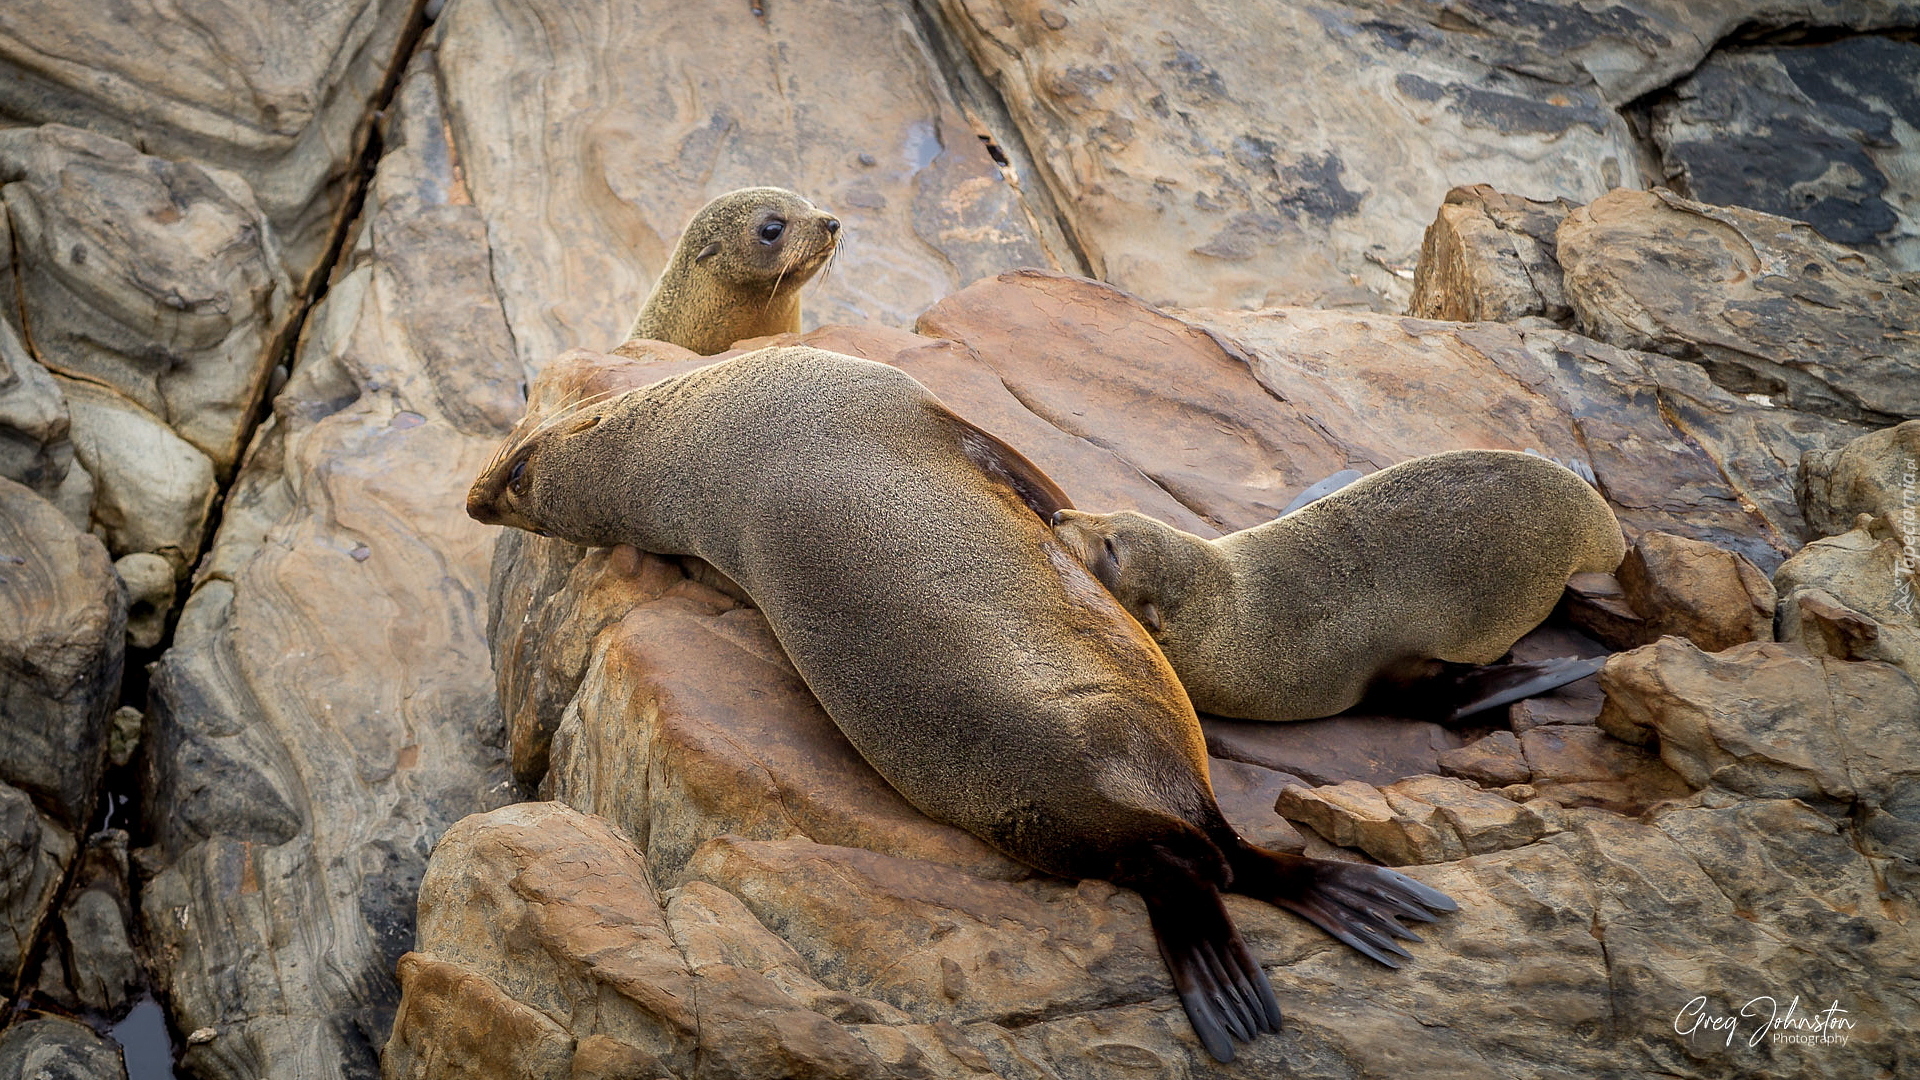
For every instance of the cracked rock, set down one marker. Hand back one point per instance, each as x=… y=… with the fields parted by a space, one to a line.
x=1713 y=597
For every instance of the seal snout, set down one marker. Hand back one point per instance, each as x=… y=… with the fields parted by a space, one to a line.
x=832 y=224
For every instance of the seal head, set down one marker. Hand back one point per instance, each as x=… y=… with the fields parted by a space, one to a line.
x=737 y=270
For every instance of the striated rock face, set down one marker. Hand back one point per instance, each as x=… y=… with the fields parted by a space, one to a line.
x=324 y=712
x=1765 y=304
x=586 y=153
x=275 y=93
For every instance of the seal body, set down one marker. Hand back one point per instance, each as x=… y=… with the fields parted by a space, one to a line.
x=1449 y=558
x=737 y=270
x=903 y=560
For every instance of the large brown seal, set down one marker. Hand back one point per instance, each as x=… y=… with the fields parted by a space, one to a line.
x=901 y=558
x=1446 y=559
x=737 y=270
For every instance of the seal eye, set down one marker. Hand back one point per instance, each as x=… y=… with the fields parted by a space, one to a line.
x=771 y=231
x=517 y=478
x=1113 y=553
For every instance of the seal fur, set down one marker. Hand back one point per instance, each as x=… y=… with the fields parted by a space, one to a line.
x=902 y=558
x=737 y=270
x=1445 y=559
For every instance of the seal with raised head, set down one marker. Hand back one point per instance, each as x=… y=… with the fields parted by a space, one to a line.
x=737 y=270
x=1394 y=581
x=902 y=558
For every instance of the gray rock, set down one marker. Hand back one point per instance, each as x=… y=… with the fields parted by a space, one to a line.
x=159 y=280
x=150 y=588
x=1822 y=133
x=96 y=945
x=152 y=489
x=62 y=643
x=34 y=853
x=277 y=94
x=34 y=447
x=52 y=1048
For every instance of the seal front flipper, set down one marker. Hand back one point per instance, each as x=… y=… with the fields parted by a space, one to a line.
x=995 y=458
x=1492 y=685
x=1359 y=905
x=1223 y=989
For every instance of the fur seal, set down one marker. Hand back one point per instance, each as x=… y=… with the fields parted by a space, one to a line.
x=1442 y=560
x=737 y=270
x=902 y=558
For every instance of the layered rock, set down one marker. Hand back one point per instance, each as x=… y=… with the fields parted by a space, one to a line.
x=324 y=712
x=52 y=1048
x=278 y=94
x=1876 y=474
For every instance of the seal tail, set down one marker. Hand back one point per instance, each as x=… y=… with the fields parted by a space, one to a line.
x=1359 y=905
x=1222 y=987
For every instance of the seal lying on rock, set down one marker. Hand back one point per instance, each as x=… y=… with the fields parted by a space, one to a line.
x=737 y=270
x=1375 y=588
x=902 y=559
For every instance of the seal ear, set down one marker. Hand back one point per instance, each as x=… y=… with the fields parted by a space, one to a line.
x=1150 y=616
x=997 y=459
x=708 y=252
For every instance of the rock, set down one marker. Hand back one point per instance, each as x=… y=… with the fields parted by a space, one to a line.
x=278 y=95
x=1490 y=256
x=1768 y=720
x=52 y=1048
x=34 y=853
x=1492 y=761
x=1246 y=794
x=1853 y=596
x=1763 y=303
x=1713 y=597
x=62 y=643
x=1598 y=606
x=96 y=946
x=1209 y=159
x=34 y=448
x=1670 y=450
x=149 y=582
x=1875 y=474
x=123 y=737
x=583 y=216
x=325 y=710
x=1581 y=765
x=1422 y=819
x=1818 y=132
x=1371 y=749
x=157 y=279
x=153 y=490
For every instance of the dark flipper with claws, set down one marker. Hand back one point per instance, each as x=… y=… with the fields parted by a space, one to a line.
x=1224 y=990
x=1358 y=904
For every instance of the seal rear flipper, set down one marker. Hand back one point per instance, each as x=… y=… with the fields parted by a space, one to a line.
x=1359 y=905
x=995 y=458
x=1322 y=488
x=1223 y=989
x=1490 y=686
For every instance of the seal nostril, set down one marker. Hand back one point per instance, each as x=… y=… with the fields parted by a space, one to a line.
x=833 y=224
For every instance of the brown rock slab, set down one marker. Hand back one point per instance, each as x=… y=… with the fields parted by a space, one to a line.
x=62 y=643
x=1875 y=474
x=1246 y=794
x=279 y=95
x=1582 y=765
x=839 y=101
x=1422 y=819
x=1490 y=256
x=1491 y=761
x=1713 y=597
x=1371 y=749
x=1765 y=304
x=1598 y=605
x=1768 y=720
